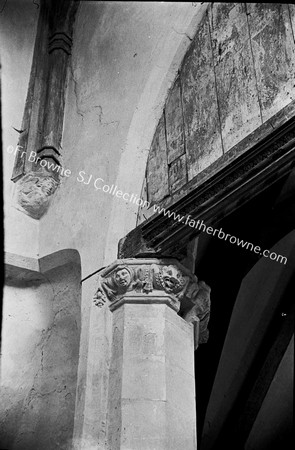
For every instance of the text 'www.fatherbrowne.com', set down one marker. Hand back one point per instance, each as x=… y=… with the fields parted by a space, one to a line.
x=200 y=226
x=100 y=185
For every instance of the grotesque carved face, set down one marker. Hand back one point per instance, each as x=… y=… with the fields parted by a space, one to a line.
x=34 y=186
x=33 y=193
x=47 y=185
x=172 y=278
x=122 y=277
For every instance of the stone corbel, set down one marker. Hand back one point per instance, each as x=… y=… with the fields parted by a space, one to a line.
x=156 y=281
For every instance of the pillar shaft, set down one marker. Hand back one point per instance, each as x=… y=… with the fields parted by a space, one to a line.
x=152 y=387
x=151 y=382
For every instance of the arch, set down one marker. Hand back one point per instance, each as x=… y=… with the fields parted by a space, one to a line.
x=145 y=119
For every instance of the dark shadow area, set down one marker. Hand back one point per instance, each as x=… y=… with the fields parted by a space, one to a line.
x=263 y=221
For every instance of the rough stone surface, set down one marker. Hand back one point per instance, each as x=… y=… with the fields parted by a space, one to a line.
x=143 y=208
x=177 y=173
x=200 y=108
x=174 y=123
x=237 y=73
x=157 y=180
x=234 y=69
x=274 y=55
x=292 y=16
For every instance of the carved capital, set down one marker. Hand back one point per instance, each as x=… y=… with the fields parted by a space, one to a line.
x=156 y=281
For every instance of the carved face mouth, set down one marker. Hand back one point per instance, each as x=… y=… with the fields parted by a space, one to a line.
x=170 y=283
x=122 y=277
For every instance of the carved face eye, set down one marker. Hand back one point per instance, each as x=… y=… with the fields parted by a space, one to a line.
x=122 y=277
x=123 y=274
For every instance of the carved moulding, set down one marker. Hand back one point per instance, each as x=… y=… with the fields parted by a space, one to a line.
x=156 y=281
x=43 y=118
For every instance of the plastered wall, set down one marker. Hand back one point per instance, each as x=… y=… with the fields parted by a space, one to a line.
x=39 y=361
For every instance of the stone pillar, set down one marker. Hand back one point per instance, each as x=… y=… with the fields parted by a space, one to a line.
x=151 y=388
